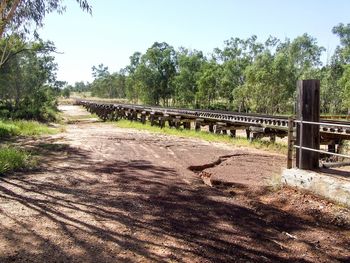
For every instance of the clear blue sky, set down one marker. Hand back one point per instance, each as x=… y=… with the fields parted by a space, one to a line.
x=118 y=28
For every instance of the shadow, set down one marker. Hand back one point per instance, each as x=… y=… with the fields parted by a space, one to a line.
x=336 y=172
x=127 y=211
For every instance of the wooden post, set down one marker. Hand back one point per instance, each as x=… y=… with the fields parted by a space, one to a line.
x=143 y=117
x=247 y=131
x=308 y=109
x=171 y=122
x=161 y=121
x=233 y=133
x=177 y=122
x=290 y=143
x=197 y=124
x=151 y=118
x=134 y=116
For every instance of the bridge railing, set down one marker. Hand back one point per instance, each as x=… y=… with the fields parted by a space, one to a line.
x=301 y=148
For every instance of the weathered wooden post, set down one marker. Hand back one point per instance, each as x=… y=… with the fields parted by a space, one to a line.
x=143 y=117
x=247 y=131
x=290 y=143
x=233 y=133
x=177 y=122
x=308 y=135
x=134 y=115
x=152 y=118
x=211 y=127
x=187 y=125
x=197 y=124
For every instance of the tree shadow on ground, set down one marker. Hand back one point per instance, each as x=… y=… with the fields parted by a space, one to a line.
x=119 y=211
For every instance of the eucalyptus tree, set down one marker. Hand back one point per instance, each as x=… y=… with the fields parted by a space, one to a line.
x=161 y=60
x=209 y=82
x=27 y=84
x=340 y=66
x=132 y=85
x=236 y=55
x=269 y=83
x=189 y=64
x=20 y=17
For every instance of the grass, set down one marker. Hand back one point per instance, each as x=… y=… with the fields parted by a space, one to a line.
x=211 y=137
x=13 y=159
x=10 y=128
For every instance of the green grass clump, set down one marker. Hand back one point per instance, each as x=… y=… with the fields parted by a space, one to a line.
x=207 y=136
x=13 y=159
x=26 y=128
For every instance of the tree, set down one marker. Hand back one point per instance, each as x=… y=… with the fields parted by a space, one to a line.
x=235 y=57
x=66 y=92
x=132 y=87
x=208 y=83
x=27 y=84
x=303 y=55
x=269 y=84
x=160 y=58
x=186 y=81
x=19 y=15
x=343 y=51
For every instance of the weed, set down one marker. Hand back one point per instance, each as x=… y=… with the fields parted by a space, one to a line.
x=13 y=159
x=26 y=128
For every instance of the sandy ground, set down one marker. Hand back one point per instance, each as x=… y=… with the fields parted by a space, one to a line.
x=105 y=194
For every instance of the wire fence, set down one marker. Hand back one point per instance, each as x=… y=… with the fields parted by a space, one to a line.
x=301 y=146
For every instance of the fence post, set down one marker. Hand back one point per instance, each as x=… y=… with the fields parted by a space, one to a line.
x=290 y=143
x=308 y=109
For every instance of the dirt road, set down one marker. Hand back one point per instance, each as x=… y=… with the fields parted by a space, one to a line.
x=105 y=194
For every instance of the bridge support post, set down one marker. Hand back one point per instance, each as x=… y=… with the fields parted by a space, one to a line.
x=197 y=125
x=248 y=134
x=152 y=118
x=308 y=135
x=143 y=117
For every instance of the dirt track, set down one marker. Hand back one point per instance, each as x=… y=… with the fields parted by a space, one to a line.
x=104 y=194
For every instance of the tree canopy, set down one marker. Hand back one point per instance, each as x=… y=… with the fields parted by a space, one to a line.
x=245 y=75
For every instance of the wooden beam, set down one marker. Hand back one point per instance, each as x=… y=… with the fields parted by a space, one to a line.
x=308 y=135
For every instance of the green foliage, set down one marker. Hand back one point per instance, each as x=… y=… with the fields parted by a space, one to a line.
x=20 y=16
x=246 y=75
x=107 y=85
x=13 y=159
x=208 y=83
x=27 y=82
x=344 y=82
x=26 y=128
x=66 y=93
x=186 y=81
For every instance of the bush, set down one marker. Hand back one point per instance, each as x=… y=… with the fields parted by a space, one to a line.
x=13 y=159
x=26 y=128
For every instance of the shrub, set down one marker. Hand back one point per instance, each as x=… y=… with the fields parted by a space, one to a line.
x=26 y=128
x=13 y=159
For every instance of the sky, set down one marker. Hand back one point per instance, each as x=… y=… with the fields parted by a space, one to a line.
x=118 y=28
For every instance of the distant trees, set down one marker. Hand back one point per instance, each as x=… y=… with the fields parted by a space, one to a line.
x=106 y=85
x=185 y=82
x=245 y=75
